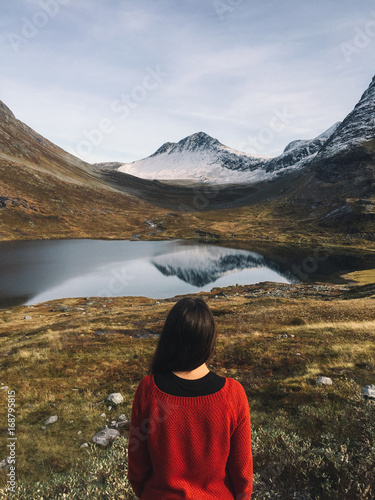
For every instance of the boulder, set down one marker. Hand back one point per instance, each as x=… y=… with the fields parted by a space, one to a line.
x=368 y=391
x=5 y=464
x=104 y=436
x=115 y=398
x=51 y=420
x=324 y=381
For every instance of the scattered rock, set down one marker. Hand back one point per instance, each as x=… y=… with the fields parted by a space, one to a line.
x=84 y=445
x=51 y=420
x=105 y=436
x=122 y=418
x=4 y=387
x=368 y=391
x=79 y=432
x=103 y=415
x=145 y=334
x=150 y=224
x=324 y=381
x=28 y=317
x=43 y=427
x=4 y=464
x=115 y=398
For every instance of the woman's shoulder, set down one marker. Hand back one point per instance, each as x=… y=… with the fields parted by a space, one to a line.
x=145 y=382
x=235 y=384
x=235 y=390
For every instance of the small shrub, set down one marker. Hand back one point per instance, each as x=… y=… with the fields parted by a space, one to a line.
x=101 y=476
x=297 y=321
x=339 y=464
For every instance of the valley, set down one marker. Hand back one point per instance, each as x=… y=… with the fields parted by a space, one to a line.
x=310 y=212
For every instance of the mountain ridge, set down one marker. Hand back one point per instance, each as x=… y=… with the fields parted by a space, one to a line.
x=328 y=181
x=203 y=158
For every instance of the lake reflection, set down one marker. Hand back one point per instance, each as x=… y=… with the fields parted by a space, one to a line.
x=37 y=271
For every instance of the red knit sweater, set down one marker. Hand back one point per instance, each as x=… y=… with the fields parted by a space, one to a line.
x=192 y=448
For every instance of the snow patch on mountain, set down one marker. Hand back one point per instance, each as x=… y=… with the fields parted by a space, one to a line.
x=298 y=154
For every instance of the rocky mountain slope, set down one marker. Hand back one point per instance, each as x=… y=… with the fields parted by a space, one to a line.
x=21 y=145
x=350 y=151
x=46 y=192
x=339 y=184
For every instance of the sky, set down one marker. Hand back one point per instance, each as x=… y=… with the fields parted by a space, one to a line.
x=112 y=80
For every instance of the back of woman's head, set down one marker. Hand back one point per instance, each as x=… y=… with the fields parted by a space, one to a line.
x=187 y=339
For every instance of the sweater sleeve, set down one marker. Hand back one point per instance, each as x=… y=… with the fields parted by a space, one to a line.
x=139 y=461
x=240 y=460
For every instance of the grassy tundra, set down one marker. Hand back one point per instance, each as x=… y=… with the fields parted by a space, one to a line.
x=309 y=441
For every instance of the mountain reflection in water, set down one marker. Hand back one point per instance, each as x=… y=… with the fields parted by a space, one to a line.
x=37 y=271
x=200 y=266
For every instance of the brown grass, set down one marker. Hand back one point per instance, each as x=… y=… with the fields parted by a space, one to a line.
x=45 y=358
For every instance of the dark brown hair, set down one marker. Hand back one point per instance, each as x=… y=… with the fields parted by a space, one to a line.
x=188 y=337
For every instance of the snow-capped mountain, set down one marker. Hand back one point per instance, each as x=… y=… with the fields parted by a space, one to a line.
x=299 y=153
x=202 y=158
x=198 y=157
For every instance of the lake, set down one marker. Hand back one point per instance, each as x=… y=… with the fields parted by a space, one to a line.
x=36 y=271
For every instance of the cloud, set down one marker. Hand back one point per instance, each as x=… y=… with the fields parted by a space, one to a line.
x=226 y=74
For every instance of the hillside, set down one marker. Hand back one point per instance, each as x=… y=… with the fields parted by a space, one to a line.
x=339 y=186
x=313 y=192
x=46 y=192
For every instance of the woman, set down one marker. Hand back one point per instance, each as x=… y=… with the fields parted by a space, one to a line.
x=190 y=428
